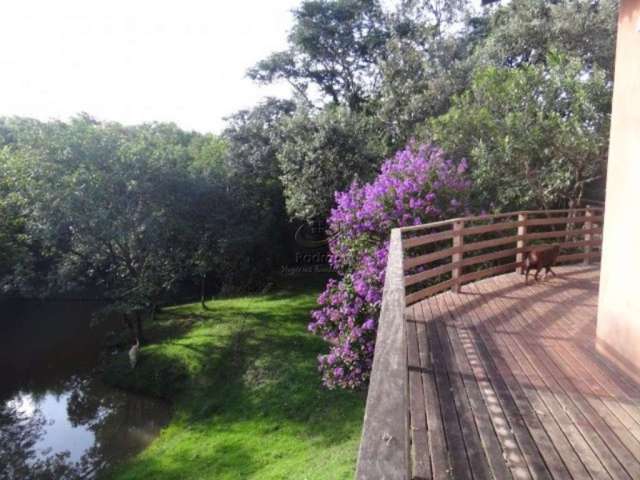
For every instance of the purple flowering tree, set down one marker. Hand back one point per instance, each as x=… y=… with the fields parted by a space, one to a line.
x=419 y=185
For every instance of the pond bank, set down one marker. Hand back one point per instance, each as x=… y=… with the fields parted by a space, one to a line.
x=57 y=418
x=248 y=402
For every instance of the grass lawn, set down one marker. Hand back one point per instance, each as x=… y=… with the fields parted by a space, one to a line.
x=247 y=395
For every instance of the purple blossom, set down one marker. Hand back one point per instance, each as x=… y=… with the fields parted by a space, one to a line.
x=370 y=324
x=418 y=185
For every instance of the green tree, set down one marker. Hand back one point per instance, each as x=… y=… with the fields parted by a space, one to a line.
x=210 y=226
x=428 y=60
x=322 y=153
x=128 y=210
x=208 y=155
x=535 y=136
x=335 y=46
x=524 y=31
x=14 y=242
x=257 y=243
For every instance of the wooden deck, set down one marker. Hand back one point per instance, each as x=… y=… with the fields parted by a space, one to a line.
x=504 y=382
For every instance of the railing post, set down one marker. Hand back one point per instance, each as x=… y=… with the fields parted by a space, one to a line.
x=587 y=236
x=458 y=242
x=522 y=231
x=570 y=225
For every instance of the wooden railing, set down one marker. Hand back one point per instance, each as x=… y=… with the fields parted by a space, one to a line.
x=384 y=447
x=442 y=255
x=428 y=259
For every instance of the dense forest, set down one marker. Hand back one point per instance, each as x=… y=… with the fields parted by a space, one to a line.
x=141 y=214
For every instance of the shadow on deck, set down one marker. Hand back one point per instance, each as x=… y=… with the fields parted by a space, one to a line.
x=504 y=382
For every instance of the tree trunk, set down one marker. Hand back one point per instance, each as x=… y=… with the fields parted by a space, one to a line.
x=126 y=319
x=139 y=326
x=203 y=283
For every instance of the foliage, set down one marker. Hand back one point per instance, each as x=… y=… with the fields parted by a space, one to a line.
x=334 y=45
x=208 y=155
x=14 y=247
x=323 y=153
x=415 y=89
x=250 y=404
x=436 y=46
x=412 y=63
x=126 y=210
x=523 y=32
x=259 y=241
x=535 y=136
x=138 y=214
x=428 y=59
x=418 y=185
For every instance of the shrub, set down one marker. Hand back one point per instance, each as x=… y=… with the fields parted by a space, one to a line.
x=323 y=152
x=419 y=185
x=536 y=136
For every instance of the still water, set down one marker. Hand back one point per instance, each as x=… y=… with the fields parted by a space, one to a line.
x=57 y=419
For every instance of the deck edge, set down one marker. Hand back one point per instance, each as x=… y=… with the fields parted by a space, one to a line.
x=384 y=447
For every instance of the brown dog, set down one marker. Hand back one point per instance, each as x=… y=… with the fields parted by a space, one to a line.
x=539 y=258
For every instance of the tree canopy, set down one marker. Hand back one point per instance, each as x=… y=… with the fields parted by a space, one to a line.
x=334 y=46
x=391 y=76
x=536 y=136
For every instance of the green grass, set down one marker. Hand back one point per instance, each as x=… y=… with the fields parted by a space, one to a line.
x=247 y=394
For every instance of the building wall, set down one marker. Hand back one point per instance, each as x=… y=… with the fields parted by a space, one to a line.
x=618 y=330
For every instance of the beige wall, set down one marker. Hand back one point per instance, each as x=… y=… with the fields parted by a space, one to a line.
x=619 y=301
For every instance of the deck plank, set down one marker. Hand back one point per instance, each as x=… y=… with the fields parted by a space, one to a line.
x=456 y=449
x=504 y=382
x=471 y=437
x=596 y=434
x=613 y=432
x=420 y=444
x=473 y=376
x=623 y=401
x=440 y=467
x=519 y=414
x=542 y=427
x=546 y=388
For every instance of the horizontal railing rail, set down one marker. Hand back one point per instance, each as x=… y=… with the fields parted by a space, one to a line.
x=442 y=255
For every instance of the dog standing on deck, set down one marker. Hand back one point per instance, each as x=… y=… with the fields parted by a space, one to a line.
x=540 y=258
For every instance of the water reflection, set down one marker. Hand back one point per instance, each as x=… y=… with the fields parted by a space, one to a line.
x=57 y=419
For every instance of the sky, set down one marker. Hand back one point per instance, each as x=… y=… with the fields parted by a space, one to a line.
x=136 y=61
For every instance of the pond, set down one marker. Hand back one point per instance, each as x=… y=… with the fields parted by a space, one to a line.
x=57 y=419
